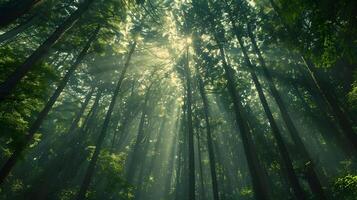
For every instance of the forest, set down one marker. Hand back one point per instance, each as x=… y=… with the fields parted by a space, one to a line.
x=178 y=100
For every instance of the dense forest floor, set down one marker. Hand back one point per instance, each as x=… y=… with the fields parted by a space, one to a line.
x=178 y=99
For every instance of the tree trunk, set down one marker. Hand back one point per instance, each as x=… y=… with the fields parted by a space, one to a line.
x=41 y=191
x=330 y=98
x=211 y=156
x=332 y=102
x=75 y=156
x=9 y=84
x=154 y=161
x=260 y=187
x=15 y=9
x=313 y=180
x=225 y=177
x=90 y=116
x=199 y=157
x=287 y=162
x=19 y=29
x=261 y=190
x=74 y=124
x=181 y=176
x=191 y=151
x=5 y=170
x=170 y=168
x=325 y=126
x=90 y=170
x=137 y=149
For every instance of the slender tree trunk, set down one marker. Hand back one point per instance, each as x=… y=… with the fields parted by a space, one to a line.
x=91 y=114
x=121 y=127
x=142 y=156
x=260 y=187
x=9 y=84
x=79 y=115
x=181 y=167
x=191 y=152
x=330 y=98
x=19 y=29
x=332 y=102
x=137 y=149
x=225 y=176
x=199 y=157
x=15 y=9
x=324 y=124
x=115 y=134
x=312 y=177
x=10 y=163
x=211 y=156
x=179 y=170
x=90 y=170
x=154 y=160
x=170 y=168
x=261 y=190
x=287 y=162
x=76 y=155
x=41 y=191
x=124 y=127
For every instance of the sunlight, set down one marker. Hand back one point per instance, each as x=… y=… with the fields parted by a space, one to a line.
x=188 y=40
x=177 y=100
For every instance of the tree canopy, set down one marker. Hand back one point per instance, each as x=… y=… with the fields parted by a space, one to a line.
x=178 y=99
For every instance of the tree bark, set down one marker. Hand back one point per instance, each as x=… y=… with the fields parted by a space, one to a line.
x=9 y=84
x=261 y=190
x=211 y=155
x=79 y=115
x=200 y=168
x=191 y=151
x=10 y=163
x=312 y=177
x=260 y=187
x=283 y=150
x=15 y=9
x=45 y=183
x=19 y=29
x=338 y=112
x=332 y=102
x=170 y=168
x=137 y=149
x=90 y=170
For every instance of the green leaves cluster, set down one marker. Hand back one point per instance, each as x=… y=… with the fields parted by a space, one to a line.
x=345 y=187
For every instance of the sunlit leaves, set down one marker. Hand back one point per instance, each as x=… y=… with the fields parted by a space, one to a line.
x=345 y=187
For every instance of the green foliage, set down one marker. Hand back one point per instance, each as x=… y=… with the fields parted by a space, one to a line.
x=19 y=110
x=352 y=95
x=247 y=193
x=322 y=31
x=345 y=187
x=109 y=183
x=67 y=194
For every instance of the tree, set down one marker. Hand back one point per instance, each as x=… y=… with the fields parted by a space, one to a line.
x=90 y=170
x=5 y=170
x=9 y=84
x=13 y=10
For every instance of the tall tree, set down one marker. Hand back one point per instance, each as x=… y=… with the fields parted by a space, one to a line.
x=261 y=190
x=211 y=155
x=337 y=110
x=287 y=161
x=9 y=84
x=90 y=170
x=312 y=176
x=12 y=10
x=10 y=163
x=191 y=154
